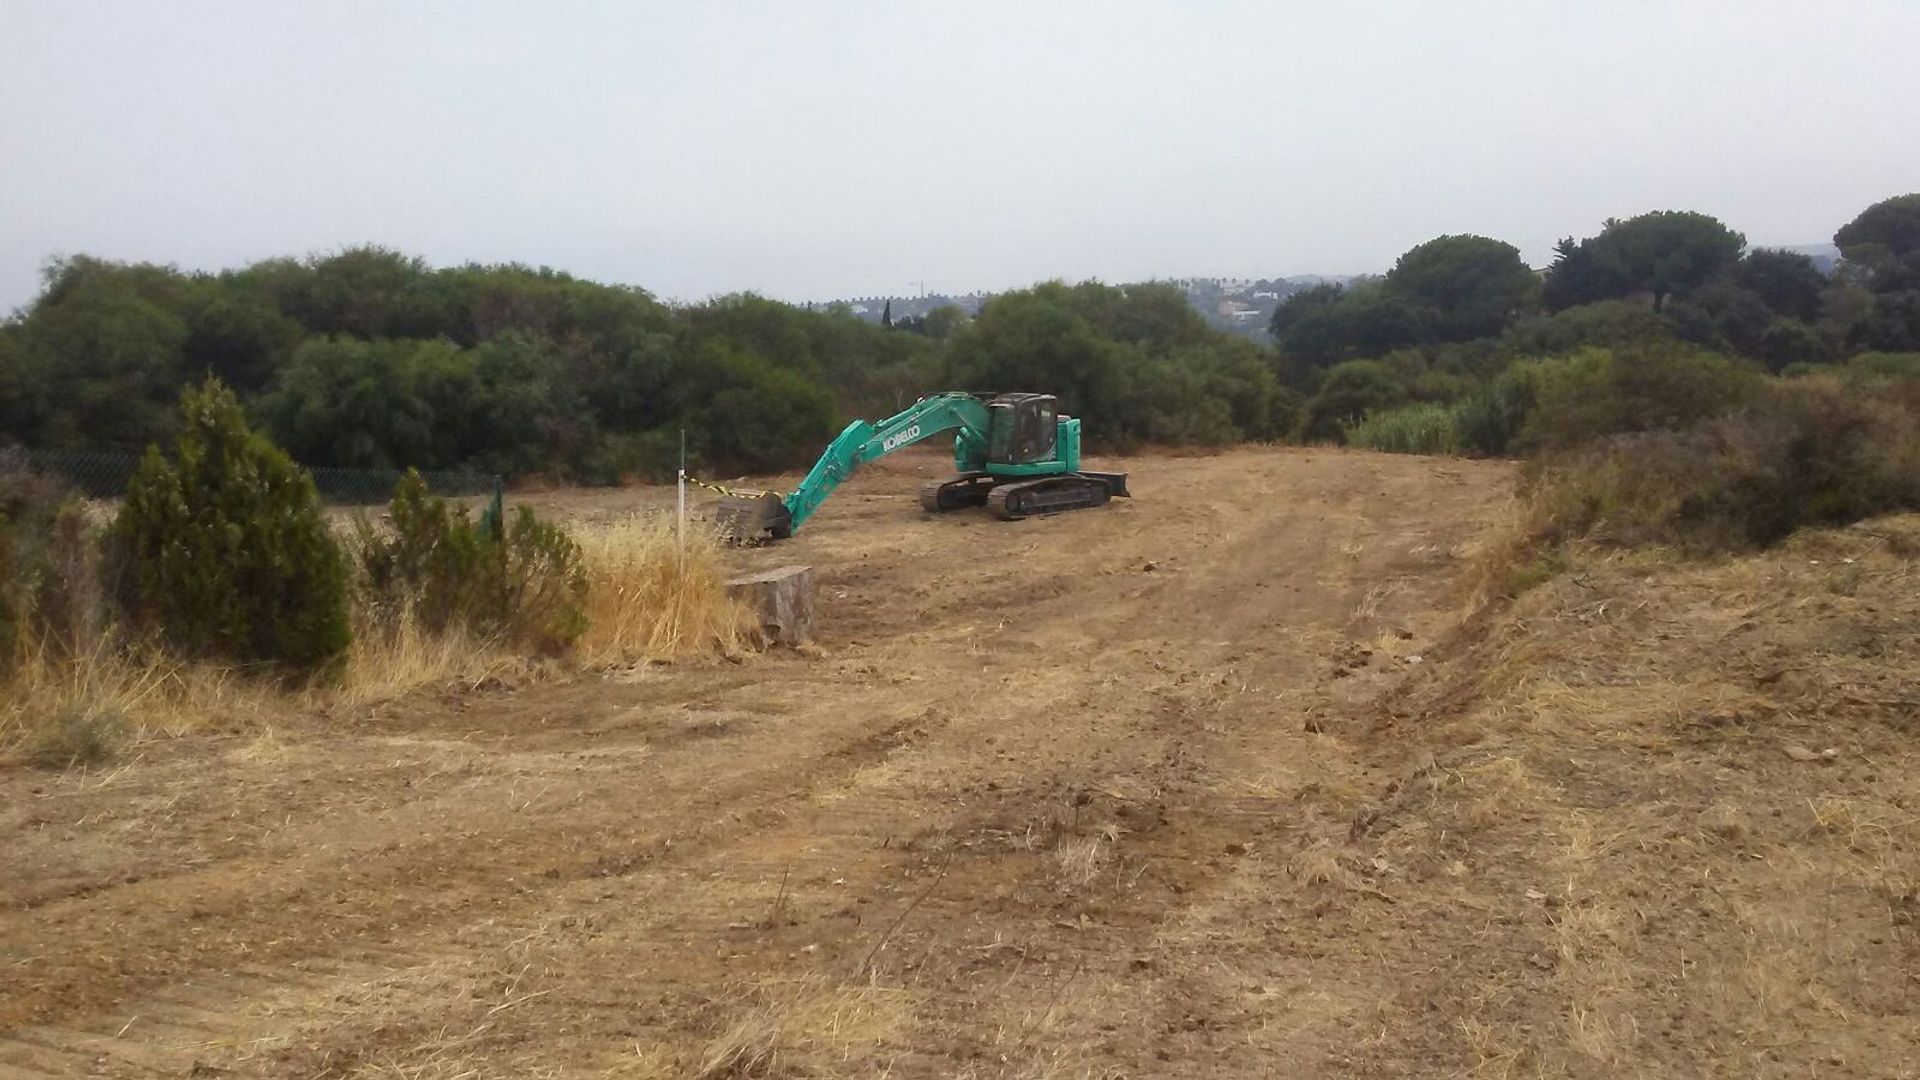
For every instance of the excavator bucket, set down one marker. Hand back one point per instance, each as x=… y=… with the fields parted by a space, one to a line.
x=754 y=517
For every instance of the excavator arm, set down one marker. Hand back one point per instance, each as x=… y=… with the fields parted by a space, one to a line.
x=749 y=517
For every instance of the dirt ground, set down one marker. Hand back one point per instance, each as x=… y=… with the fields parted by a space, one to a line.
x=1213 y=782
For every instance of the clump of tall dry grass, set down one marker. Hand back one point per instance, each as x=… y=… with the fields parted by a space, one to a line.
x=647 y=599
x=804 y=1028
x=61 y=708
x=392 y=655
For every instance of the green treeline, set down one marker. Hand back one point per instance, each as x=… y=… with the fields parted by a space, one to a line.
x=369 y=358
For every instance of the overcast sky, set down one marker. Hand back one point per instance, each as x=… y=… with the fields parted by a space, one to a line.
x=815 y=150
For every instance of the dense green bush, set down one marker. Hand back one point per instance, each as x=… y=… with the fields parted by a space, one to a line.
x=1600 y=392
x=504 y=406
x=1489 y=420
x=1348 y=392
x=1606 y=323
x=223 y=550
x=520 y=581
x=1809 y=452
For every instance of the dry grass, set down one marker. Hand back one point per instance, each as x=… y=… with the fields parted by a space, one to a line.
x=1080 y=859
x=63 y=711
x=1707 y=898
x=807 y=1027
x=647 y=600
x=386 y=662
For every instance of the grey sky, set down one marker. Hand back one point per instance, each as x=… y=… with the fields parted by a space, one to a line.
x=809 y=150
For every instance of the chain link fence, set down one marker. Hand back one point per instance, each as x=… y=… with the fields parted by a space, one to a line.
x=103 y=474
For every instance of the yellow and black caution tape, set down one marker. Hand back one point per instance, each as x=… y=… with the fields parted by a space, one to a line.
x=741 y=493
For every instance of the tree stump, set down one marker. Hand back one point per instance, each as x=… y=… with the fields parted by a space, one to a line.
x=783 y=598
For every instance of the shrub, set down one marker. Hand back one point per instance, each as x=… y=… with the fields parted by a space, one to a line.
x=1607 y=323
x=520 y=581
x=1425 y=428
x=224 y=552
x=1810 y=453
x=1600 y=392
x=31 y=508
x=1348 y=392
x=1886 y=364
x=1488 y=420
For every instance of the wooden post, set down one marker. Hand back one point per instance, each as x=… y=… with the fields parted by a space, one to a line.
x=784 y=600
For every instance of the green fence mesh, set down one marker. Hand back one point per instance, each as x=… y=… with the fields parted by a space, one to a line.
x=103 y=474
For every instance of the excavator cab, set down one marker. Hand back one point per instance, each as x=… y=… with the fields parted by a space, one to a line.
x=1021 y=428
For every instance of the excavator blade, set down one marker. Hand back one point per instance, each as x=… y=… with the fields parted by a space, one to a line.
x=752 y=518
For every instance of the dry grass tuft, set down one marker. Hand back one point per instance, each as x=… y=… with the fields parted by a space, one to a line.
x=646 y=600
x=388 y=660
x=1080 y=859
x=76 y=734
x=66 y=711
x=804 y=1028
x=1322 y=864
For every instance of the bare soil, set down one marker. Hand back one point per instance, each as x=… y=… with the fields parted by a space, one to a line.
x=1212 y=782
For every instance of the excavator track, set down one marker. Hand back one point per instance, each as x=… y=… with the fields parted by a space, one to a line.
x=957 y=492
x=1047 y=495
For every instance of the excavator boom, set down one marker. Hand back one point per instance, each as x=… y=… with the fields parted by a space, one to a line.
x=769 y=515
x=1013 y=454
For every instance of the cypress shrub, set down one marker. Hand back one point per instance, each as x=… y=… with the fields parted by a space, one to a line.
x=224 y=552
x=520 y=580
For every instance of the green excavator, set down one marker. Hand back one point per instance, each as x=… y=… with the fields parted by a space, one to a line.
x=1013 y=453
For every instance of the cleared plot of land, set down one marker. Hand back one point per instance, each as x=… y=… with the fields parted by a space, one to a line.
x=1209 y=783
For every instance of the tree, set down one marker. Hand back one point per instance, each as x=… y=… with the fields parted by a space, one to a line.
x=1786 y=281
x=1606 y=322
x=103 y=348
x=745 y=412
x=1376 y=319
x=1033 y=340
x=355 y=404
x=1666 y=252
x=1464 y=287
x=226 y=550
x=1305 y=327
x=20 y=400
x=944 y=321
x=238 y=337
x=1327 y=324
x=1721 y=316
x=1576 y=277
x=1889 y=229
x=1348 y=393
x=367 y=292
